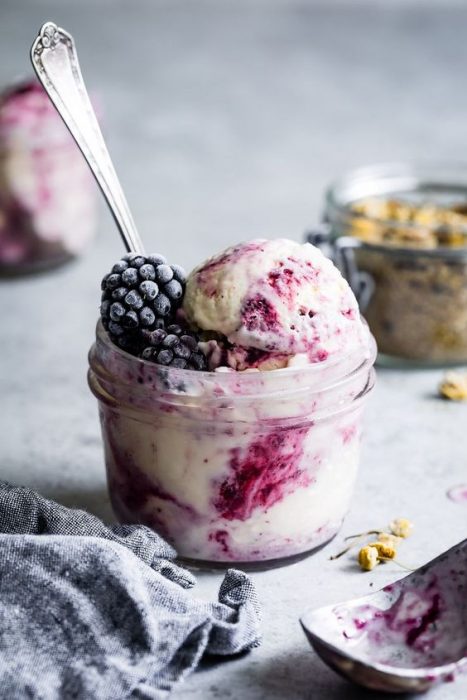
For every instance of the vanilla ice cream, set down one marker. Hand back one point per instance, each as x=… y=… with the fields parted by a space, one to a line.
x=277 y=297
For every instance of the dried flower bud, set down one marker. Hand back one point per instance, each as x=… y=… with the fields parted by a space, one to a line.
x=385 y=550
x=454 y=386
x=388 y=538
x=401 y=527
x=368 y=558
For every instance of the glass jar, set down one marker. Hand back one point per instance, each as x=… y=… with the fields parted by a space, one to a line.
x=48 y=198
x=410 y=276
x=231 y=466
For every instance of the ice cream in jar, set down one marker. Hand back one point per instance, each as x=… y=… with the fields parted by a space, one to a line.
x=231 y=399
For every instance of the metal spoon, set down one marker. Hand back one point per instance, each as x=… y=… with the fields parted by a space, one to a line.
x=406 y=637
x=54 y=58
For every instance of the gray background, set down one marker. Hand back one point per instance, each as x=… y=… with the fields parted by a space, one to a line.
x=226 y=121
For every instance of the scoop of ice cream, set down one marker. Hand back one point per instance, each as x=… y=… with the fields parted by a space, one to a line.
x=278 y=297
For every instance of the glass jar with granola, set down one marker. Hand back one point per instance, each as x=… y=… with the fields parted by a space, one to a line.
x=400 y=234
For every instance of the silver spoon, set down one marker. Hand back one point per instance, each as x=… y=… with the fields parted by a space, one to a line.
x=406 y=637
x=54 y=58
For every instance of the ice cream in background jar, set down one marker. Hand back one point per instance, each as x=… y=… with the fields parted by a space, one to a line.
x=253 y=459
x=47 y=194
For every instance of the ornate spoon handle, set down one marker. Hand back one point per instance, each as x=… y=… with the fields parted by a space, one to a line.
x=54 y=58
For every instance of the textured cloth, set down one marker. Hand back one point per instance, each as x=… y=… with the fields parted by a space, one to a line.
x=97 y=612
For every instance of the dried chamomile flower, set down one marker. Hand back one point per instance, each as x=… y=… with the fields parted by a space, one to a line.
x=390 y=539
x=376 y=552
x=401 y=527
x=368 y=558
x=385 y=550
x=454 y=386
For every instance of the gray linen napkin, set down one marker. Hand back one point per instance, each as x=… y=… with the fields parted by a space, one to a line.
x=97 y=612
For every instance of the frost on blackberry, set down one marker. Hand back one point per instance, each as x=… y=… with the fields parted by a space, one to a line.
x=140 y=293
x=173 y=346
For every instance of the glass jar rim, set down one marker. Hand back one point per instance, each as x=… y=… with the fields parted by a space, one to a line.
x=396 y=178
x=217 y=387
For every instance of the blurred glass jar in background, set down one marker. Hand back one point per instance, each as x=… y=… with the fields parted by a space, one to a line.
x=399 y=234
x=48 y=202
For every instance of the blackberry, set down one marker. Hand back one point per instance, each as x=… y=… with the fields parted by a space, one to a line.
x=140 y=293
x=173 y=346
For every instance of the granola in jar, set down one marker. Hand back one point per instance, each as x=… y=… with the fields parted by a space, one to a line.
x=408 y=233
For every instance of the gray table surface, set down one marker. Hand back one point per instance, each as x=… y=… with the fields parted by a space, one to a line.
x=226 y=121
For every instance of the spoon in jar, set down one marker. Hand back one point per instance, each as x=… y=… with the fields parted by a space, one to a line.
x=54 y=58
x=406 y=637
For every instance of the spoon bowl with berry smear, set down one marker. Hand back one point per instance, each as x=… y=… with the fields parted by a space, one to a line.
x=407 y=637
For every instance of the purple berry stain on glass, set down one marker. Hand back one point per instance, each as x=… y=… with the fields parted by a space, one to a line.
x=269 y=469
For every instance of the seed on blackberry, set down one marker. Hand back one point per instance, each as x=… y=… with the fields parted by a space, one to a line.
x=170 y=340
x=147 y=316
x=155 y=337
x=113 y=281
x=105 y=306
x=117 y=311
x=148 y=354
x=162 y=305
x=164 y=274
x=119 y=293
x=198 y=361
x=133 y=300
x=120 y=266
x=130 y=320
x=174 y=290
x=115 y=328
x=179 y=363
x=156 y=260
x=179 y=273
x=147 y=272
x=181 y=344
x=147 y=333
x=130 y=277
x=189 y=341
x=137 y=260
x=165 y=357
x=148 y=289
x=128 y=343
x=181 y=350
